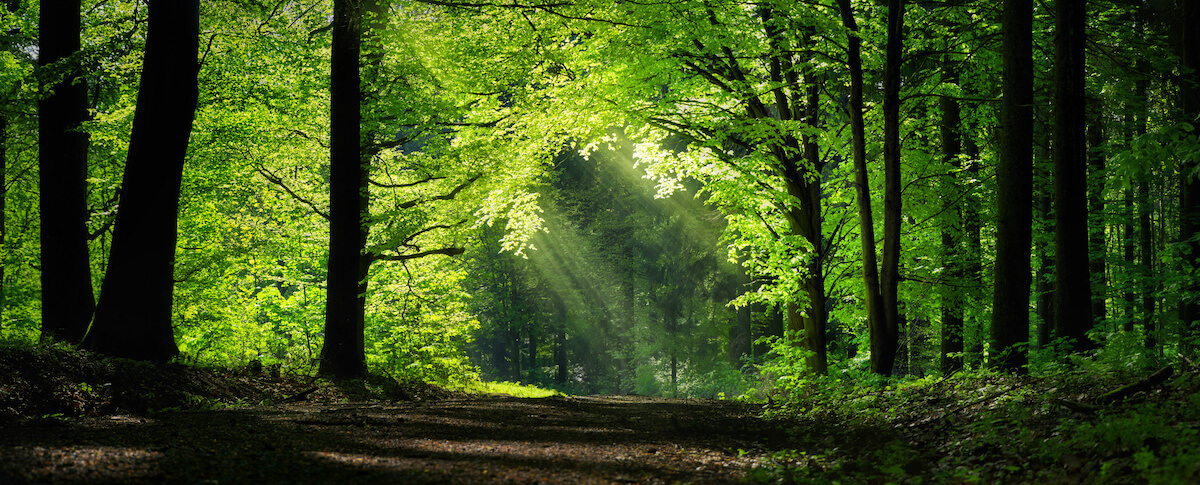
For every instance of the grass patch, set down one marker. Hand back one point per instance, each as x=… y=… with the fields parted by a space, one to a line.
x=514 y=389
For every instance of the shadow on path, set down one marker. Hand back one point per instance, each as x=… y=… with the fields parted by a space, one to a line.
x=602 y=439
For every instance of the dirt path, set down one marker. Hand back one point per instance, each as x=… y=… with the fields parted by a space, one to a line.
x=608 y=439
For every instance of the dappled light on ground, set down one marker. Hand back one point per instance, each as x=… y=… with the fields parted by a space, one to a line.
x=472 y=440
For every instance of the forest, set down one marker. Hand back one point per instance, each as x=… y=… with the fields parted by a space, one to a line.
x=879 y=207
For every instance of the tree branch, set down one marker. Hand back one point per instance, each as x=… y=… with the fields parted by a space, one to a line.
x=279 y=181
x=451 y=251
x=450 y=196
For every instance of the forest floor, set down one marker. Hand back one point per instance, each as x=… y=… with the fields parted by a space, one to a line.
x=69 y=417
x=74 y=417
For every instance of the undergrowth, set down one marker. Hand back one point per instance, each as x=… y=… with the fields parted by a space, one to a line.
x=983 y=427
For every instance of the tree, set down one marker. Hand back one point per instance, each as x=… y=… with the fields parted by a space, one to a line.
x=343 y=354
x=133 y=315
x=952 y=235
x=1072 y=290
x=876 y=314
x=889 y=278
x=1014 y=181
x=1189 y=210
x=67 y=299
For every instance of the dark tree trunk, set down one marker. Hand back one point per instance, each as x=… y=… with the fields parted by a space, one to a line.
x=1044 y=282
x=133 y=316
x=3 y=212
x=343 y=354
x=890 y=272
x=670 y=321
x=531 y=352
x=67 y=298
x=876 y=316
x=809 y=227
x=1097 y=246
x=739 y=335
x=1129 y=253
x=1043 y=184
x=1072 y=295
x=973 y=266
x=1146 y=269
x=560 y=339
x=1146 y=241
x=1014 y=180
x=629 y=304
x=952 y=254
x=1189 y=207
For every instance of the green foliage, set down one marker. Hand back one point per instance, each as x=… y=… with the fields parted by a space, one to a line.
x=514 y=389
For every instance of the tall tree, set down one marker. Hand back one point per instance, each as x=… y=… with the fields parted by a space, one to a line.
x=133 y=315
x=67 y=298
x=889 y=278
x=1189 y=311
x=355 y=62
x=876 y=317
x=1014 y=180
x=1097 y=244
x=1072 y=291
x=343 y=354
x=952 y=233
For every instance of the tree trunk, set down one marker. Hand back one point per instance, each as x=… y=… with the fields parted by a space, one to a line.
x=3 y=214
x=1189 y=206
x=1044 y=282
x=531 y=352
x=343 y=355
x=876 y=318
x=1146 y=278
x=1043 y=184
x=1014 y=180
x=1129 y=253
x=1146 y=269
x=740 y=340
x=560 y=340
x=973 y=249
x=133 y=316
x=1073 y=295
x=800 y=167
x=890 y=273
x=1097 y=245
x=951 y=359
x=809 y=227
x=67 y=298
